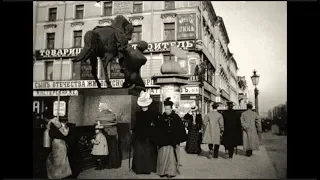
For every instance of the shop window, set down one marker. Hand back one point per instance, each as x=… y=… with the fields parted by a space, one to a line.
x=50 y=40
x=107 y=8
x=137 y=33
x=168 y=57
x=77 y=38
x=52 y=14
x=49 y=70
x=169 y=5
x=79 y=11
x=169 y=31
x=137 y=6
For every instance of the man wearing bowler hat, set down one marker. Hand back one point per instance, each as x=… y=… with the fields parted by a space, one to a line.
x=213 y=128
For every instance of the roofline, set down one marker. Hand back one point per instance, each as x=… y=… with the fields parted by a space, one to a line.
x=223 y=29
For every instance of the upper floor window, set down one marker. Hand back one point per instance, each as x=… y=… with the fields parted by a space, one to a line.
x=50 y=40
x=137 y=32
x=168 y=5
x=107 y=8
x=49 y=70
x=137 y=6
x=77 y=38
x=169 y=31
x=52 y=14
x=79 y=11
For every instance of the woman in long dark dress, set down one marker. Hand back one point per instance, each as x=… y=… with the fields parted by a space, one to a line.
x=108 y=120
x=193 y=145
x=170 y=133
x=144 y=149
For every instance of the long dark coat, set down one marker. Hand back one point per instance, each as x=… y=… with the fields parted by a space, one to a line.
x=170 y=130
x=144 y=148
x=232 y=129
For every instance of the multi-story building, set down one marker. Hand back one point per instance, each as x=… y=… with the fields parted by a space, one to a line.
x=61 y=26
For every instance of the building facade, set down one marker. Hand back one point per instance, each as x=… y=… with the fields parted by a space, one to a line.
x=190 y=25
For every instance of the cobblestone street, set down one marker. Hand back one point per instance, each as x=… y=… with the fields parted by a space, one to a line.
x=259 y=166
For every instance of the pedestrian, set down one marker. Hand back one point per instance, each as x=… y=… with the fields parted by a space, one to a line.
x=229 y=138
x=58 y=166
x=193 y=145
x=250 y=124
x=213 y=128
x=100 y=147
x=144 y=148
x=107 y=118
x=170 y=132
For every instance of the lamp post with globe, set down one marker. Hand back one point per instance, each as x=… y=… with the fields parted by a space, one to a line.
x=255 y=82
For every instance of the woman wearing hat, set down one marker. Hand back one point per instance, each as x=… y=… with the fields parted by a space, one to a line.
x=144 y=149
x=194 y=127
x=107 y=119
x=170 y=132
x=100 y=147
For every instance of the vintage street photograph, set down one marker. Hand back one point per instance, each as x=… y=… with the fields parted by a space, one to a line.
x=160 y=89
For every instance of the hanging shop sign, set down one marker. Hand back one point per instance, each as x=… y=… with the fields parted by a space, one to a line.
x=80 y=84
x=55 y=93
x=186 y=26
x=59 y=107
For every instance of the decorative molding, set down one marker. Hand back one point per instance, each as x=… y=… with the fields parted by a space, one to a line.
x=105 y=22
x=136 y=20
x=169 y=18
x=48 y=26
x=77 y=25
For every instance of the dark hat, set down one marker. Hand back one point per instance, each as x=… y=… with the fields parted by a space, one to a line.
x=215 y=105
x=249 y=105
x=230 y=103
x=167 y=102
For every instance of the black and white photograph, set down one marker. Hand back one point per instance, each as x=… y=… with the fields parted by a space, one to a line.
x=160 y=89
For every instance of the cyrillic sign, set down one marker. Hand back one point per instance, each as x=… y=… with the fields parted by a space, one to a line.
x=183 y=90
x=55 y=93
x=61 y=108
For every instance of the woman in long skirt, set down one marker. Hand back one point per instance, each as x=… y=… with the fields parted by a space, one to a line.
x=193 y=145
x=170 y=132
x=58 y=166
x=144 y=149
x=108 y=120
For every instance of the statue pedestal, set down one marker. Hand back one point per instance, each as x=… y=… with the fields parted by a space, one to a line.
x=83 y=110
x=170 y=87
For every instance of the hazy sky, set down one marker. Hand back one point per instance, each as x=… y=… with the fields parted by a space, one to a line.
x=258 y=40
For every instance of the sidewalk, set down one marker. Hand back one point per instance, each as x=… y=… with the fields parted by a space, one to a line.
x=259 y=166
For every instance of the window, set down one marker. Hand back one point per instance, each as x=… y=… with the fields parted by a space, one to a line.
x=52 y=14
x=169 y=31
x=168 y=5
x=136 y=35
x=107 y=8
x=49 y=70
x=137 y=6
x=79 y=11
x=168 y=57
x=77 y=38
x=50 y=40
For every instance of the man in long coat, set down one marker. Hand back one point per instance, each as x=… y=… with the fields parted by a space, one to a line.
x=213 y=128
x=250 y=123
x=229 y=139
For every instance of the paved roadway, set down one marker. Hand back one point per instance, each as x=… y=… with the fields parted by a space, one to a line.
x=259 y=166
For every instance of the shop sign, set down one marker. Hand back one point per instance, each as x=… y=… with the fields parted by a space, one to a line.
x=183 y=90
x=57 y=53
x=55 y=93
x=61 y=108
x=186 y=25
x=165 y=46
x=82 y=84
x=122 y=7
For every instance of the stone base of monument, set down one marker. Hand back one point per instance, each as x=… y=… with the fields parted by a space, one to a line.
x=83 y=110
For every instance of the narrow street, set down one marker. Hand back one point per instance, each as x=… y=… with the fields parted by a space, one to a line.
x=259 y=166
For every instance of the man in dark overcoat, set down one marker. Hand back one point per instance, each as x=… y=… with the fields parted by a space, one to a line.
x=229 y=138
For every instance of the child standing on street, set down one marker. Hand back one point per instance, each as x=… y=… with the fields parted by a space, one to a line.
x=100 y=147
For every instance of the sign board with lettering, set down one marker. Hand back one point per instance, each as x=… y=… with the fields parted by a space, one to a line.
x=186 y=24
x=80 y=84
x=61 y=108
x=115 y=71
x=183 y=90
x=122 y=7
x=55 y=93
x=85 y=70
x=152 y=47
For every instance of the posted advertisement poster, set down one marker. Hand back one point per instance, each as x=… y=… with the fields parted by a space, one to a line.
x=173 y=92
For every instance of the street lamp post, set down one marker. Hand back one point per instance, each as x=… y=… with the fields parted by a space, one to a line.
x=255 y=82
